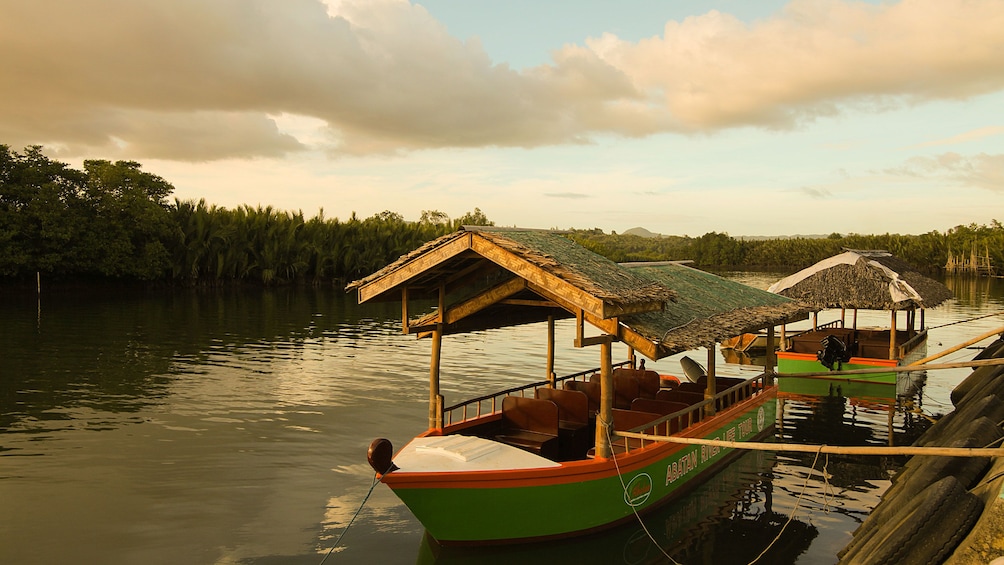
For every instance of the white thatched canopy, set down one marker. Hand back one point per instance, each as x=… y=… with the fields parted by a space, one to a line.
x=871 y=280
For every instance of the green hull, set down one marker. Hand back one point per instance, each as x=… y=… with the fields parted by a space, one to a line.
x=577 y=497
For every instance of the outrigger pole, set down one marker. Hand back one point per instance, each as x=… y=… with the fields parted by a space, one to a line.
x=830 y=449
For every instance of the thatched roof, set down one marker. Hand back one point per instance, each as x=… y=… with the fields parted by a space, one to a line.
x=708 y=310
x=868 y=280
x=544 y=257
x=491 y=277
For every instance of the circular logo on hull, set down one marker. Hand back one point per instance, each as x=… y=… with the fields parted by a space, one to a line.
x=638 y=490
x=761 y=417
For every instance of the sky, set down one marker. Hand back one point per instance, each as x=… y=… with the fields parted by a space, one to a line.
x=682 y=117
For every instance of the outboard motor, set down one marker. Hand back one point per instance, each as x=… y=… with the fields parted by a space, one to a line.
x=834 y=352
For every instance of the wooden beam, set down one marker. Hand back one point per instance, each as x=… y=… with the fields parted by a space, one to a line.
x=485 y=299
x=414 y=268
x=531 y=303
x=534 y=274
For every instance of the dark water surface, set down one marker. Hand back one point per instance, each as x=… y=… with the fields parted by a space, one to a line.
x=231 y=427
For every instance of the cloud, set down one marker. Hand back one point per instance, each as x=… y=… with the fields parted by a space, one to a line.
x=715 y=71
x=973 y=135
x=569 y=195
x=815 y=193
x=980 y=171
x=201 y=80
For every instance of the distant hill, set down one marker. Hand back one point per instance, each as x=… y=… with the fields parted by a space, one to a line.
x=641 y=232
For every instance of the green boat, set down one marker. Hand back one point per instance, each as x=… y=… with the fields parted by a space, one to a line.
x=565 y=456
x=851 y=281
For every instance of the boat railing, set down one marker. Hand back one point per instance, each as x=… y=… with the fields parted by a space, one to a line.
x=905 y=348
x=488 y=404
x=673 y=423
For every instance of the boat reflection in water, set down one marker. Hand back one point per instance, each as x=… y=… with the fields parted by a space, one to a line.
x=702 y=527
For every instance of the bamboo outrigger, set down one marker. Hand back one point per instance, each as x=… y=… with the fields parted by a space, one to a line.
x=550 y=459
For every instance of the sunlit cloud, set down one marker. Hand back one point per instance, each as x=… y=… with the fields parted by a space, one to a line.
x=815 y=193
x=974 y=135
x=980 y=171
x=191 y=80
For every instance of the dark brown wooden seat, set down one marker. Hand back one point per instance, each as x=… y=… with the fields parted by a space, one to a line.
x=691 y=387
x=663 y=407
x=592 y=391
x=625 y=390
x=574 y=432
x=573 y=405
x=530 y=424
x=628 y=419
x=675 y=395
x=649 y=382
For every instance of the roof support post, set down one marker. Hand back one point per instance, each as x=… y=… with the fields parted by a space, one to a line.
x=435 y=407
x=771 y=360
x=605 y=418
x=550 y=352
x=892 y=336
x=404 y=309
x=712 y=388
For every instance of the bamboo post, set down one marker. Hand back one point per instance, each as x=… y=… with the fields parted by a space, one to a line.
x=404 y=309
x=953 y=349
x=711 y=389
x=605 y=419
x=435 y=420
x=550 y=352
x=771 y=360
x=892 y=336
x=784 y=340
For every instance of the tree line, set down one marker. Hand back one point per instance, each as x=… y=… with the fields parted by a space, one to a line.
x=927 y=252
x=114 y=221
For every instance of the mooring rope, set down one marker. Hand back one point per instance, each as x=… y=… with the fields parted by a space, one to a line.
x=365 y=498
x=620 y=476
x=798 y=502
x=964 y=321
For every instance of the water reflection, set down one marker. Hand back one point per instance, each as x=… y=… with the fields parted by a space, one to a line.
x=232 y=426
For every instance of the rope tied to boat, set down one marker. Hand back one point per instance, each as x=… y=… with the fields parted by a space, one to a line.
x=620 y=477
x=376 y=479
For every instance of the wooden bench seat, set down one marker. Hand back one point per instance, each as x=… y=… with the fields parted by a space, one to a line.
x=591 y=390
x=530 y=424
x=574 y=432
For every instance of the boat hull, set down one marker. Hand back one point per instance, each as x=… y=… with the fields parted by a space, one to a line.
x=573 y=498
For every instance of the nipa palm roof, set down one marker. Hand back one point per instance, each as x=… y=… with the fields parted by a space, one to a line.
x=495 y=277
x=863 y=279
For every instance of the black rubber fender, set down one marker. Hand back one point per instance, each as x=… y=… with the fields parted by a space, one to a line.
x=925 y=530
x=952 y=424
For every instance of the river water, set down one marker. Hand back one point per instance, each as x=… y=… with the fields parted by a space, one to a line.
x=232 y=426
